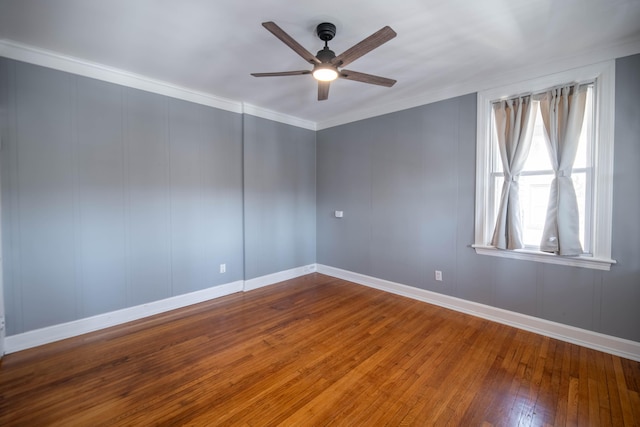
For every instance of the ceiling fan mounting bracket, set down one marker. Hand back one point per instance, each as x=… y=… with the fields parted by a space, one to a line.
x=326 y=31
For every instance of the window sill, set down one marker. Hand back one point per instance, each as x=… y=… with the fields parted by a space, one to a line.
x=529 y=255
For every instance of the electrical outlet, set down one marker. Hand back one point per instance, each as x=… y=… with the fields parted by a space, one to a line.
x=439 y=275
x=223 y=268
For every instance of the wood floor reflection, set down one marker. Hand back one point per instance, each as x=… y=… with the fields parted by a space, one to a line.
x=316 y=351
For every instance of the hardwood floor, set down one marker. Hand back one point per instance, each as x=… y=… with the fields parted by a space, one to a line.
x=316 y=351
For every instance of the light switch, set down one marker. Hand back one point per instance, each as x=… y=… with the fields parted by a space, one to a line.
x=339 y=214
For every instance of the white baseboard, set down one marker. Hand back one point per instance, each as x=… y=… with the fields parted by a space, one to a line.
x=280 y=276
x=62 y=331
x=597 y=341
x=606 y=343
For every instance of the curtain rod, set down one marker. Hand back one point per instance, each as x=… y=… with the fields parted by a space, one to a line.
x=544 y=91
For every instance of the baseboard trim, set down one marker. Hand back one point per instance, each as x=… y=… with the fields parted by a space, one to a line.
x=62 y=331
x=280 y=276
x=597 y=341
x=594 y=340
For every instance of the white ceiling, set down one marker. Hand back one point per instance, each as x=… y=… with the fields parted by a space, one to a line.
x=443 y=48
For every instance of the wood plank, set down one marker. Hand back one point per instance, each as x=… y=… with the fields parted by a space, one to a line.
x=316 y=351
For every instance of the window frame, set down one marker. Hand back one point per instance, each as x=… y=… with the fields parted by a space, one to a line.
x=603 y=74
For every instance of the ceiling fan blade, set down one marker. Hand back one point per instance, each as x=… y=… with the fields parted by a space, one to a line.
x=323 y=90
x=282 y=73
x=366 y=78
x=365 y=46
x=289 y=41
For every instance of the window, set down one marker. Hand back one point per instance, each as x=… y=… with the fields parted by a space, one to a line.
x=591 y=173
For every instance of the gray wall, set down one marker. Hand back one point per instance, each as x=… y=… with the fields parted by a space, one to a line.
x=280 y=197
x=114 y=197
x=406 y=184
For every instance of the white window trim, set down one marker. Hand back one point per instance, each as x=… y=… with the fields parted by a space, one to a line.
x=604 y=75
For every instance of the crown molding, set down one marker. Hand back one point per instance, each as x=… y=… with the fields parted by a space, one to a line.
x=553 y=66
x=50 y=59
x=264 y=113
x=56 y=61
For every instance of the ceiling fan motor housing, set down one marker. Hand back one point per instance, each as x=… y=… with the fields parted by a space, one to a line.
x=326 y=55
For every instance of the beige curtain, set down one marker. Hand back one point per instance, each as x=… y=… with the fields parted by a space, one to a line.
x=514 y=126
x=562 y=111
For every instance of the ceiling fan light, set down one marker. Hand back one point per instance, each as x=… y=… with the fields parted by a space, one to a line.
x=325 y=74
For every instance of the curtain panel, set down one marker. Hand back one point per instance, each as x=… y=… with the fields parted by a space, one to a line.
x=514 y=126
x=562 y=111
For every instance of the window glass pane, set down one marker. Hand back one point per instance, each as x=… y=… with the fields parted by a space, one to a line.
x=496 y=161
x=497 y=193
x=582 y=155
x=538 y=159
x=580 y=184
x=534 y=197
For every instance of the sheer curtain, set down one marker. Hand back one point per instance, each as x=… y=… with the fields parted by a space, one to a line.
x=562 y=111
x=514 y=125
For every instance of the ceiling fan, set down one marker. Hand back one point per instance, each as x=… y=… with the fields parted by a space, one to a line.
x=326 y=65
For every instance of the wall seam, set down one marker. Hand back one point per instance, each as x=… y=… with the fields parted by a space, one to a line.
x=19 y=296
x=126 y=168
x=76 y=227
x=170 y=192
x=244 y=191
x=457 y=210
